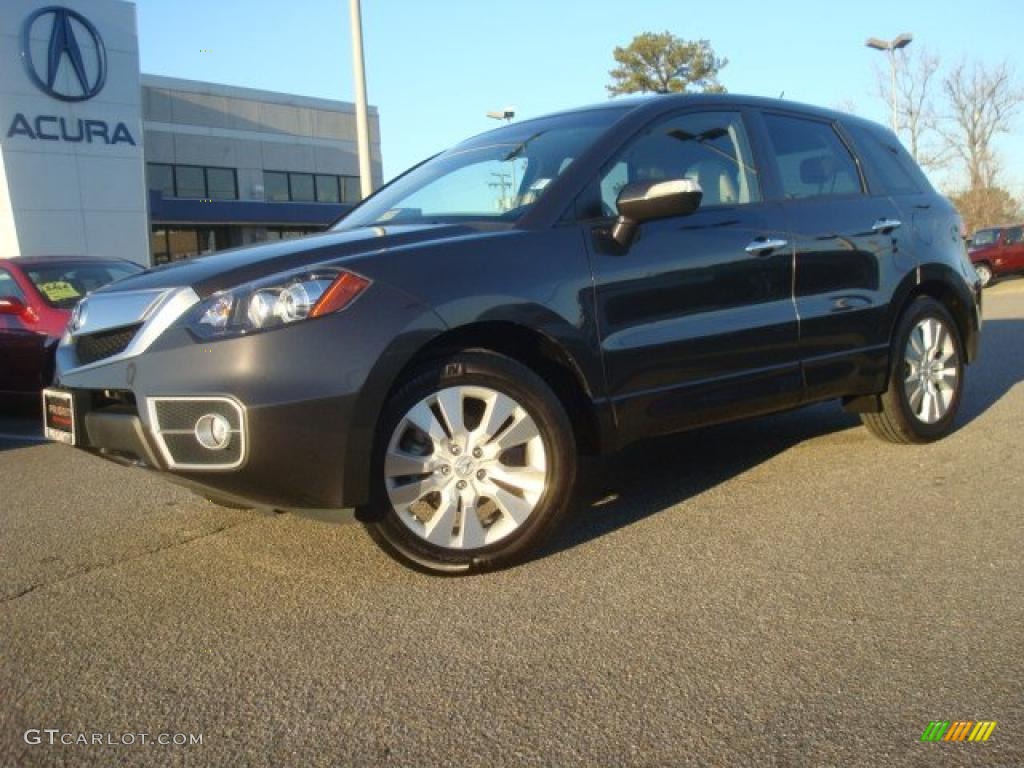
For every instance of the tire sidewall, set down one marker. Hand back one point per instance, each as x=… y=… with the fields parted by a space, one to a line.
x=924 y=308
x=526 y=388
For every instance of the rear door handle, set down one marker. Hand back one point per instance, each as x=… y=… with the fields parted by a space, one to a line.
x=762 y=245
x=886 y=225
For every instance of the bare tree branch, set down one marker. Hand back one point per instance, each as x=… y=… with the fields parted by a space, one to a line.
x=983 y=103
x=916 y=117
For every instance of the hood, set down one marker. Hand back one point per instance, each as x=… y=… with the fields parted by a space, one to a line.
x=227 y=269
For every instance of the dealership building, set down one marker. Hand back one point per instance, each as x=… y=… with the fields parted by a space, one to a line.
x=97 y=158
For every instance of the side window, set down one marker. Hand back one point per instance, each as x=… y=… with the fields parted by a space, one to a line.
x=9 y=286
x=887 y=160
x=811 y=158
x=1014 y=235
x=709 y=147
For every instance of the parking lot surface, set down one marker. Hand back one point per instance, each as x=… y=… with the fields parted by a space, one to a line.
x=783 y=592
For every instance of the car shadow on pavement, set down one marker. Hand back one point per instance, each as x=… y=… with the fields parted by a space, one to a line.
x=20 y=422
x=621 y=489
x=999 y=367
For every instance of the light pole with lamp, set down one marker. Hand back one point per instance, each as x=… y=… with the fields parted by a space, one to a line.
x=890 y=47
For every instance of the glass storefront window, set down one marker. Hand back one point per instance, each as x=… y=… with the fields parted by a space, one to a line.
x=183 y=243
x=275 y=186
x=221 y=184
x=190 y=181
x=351 y=192
x=302 y=187
x=327 y=189
x=160 y=178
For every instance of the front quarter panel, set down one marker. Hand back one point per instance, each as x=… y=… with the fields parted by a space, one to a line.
x=301 y=386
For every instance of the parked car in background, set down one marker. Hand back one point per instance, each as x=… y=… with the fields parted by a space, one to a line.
x=37 y=295
x=563 y=285
x=997 y=251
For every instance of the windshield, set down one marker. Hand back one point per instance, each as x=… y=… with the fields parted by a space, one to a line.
x=62 y=284
x=496 y=177
x=985 y=237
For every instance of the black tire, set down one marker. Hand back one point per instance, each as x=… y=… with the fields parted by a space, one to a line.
x=897 y=422
x=506 y=376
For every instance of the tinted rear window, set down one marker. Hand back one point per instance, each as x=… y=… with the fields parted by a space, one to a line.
x=811 y=158
x=889 y=165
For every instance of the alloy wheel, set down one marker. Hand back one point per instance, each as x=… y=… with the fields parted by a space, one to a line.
x=931 y=370
x=465 y=467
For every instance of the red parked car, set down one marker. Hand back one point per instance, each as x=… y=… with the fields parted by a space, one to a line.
x=997 y=251
x=37 y=295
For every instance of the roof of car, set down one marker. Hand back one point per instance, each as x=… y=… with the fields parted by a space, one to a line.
x=654 y=104
x=29 y=261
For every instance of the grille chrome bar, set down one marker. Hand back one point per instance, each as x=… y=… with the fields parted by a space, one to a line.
x=155 y=310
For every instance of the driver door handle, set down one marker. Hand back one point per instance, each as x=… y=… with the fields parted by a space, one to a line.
x=762 y=245
x=886 y=225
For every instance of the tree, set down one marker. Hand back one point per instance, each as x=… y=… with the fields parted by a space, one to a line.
x=915 y=114
x=660 y=62
x=983 y=103
x=986 y=207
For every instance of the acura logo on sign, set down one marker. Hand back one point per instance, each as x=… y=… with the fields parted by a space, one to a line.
x=75 y=49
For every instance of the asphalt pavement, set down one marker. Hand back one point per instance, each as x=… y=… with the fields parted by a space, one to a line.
x=782 y=592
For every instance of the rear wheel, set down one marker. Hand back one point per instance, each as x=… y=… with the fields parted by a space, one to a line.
x=926 y=379
x=984 y=272
x=475 y=465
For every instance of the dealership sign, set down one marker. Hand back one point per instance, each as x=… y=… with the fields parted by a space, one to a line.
x=87 y=67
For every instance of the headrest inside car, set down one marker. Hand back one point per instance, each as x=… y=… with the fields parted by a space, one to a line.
x=816 y=170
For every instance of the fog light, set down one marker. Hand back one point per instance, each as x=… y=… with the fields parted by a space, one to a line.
x=213 y=432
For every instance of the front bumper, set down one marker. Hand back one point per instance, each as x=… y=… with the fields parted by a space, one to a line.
x=307 y=398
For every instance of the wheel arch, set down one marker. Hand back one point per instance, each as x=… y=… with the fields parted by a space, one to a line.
x=530 y=347
x=949 y=290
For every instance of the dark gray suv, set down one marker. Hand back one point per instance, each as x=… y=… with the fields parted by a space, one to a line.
x=568 y=284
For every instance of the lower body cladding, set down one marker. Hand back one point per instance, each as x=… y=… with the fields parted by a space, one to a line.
x=280 y=455
x=284 y=418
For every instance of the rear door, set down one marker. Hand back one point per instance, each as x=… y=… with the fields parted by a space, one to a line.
x=848 y=255
x=695 y=317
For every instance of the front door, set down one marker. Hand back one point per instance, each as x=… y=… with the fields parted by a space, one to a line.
x=695 y=317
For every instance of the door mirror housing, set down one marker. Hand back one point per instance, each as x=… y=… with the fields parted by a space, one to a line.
x=643 y=201
x=12 y=305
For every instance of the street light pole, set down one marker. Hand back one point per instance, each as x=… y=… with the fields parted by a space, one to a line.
x=890 y=47
x=362 y=121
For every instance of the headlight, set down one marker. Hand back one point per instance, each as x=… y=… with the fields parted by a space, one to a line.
x=274 y=303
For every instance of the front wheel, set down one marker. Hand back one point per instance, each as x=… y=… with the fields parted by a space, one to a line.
x=926 y=380
x=475 y=465
x=984 y=273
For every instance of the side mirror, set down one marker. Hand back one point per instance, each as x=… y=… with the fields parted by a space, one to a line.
x=11 y=305
x=649 y=200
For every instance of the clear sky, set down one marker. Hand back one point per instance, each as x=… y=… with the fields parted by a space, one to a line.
x=434 y=67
